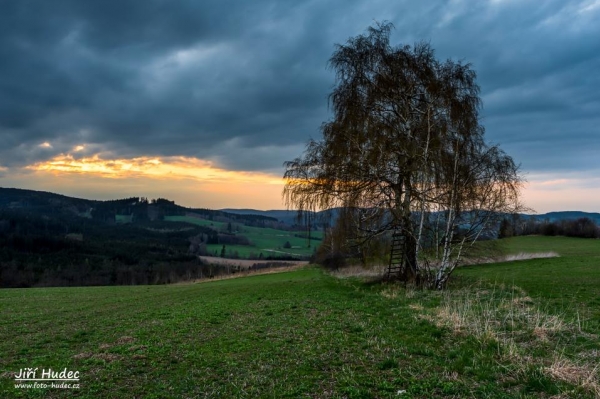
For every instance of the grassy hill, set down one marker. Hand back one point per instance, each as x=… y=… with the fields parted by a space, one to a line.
x=268 y=241
x=52 y=240
x=500 y=332
x=327 y=217
x=569 y=283
x=127 y=210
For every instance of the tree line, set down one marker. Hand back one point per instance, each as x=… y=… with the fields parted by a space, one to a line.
x=517 y=226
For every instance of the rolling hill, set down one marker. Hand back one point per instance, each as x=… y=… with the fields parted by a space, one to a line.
x=48 y=239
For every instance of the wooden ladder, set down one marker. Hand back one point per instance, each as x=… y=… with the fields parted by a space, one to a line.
x=397 y=260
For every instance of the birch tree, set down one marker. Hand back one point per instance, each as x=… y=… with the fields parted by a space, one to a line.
x=405 y=148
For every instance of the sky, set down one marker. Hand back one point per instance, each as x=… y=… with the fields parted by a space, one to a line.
x=202 y=102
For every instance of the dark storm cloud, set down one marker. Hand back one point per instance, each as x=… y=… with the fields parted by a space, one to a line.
x=245 y=83
x=537 y=68
x=156 y=78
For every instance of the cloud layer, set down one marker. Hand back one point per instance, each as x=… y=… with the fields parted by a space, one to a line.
x=244 y=84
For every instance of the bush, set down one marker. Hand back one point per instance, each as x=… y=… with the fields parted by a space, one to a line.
x=333 y=261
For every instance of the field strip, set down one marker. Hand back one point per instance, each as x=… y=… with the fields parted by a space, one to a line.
x=511 y=257
x=246 y=273
x=248 y=262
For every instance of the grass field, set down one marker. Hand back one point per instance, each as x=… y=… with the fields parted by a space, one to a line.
x=565 y=246
x=266 y=240
x=568 y=284
x=308 y=334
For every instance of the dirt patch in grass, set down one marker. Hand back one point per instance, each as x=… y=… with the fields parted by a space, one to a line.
x=137 y=348
x=125 y=340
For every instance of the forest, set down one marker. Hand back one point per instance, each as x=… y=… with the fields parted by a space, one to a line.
x=51 y=240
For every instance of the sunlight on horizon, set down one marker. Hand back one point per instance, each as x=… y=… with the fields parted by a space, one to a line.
x=550 y=193
x=156 y=167
x=190 y=182
x=194 y=182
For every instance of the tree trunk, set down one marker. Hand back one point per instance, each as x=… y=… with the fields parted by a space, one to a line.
x=410 y=271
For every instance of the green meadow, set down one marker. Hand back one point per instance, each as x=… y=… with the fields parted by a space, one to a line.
x=524 y=329
x=569 y=283
x=269 y=242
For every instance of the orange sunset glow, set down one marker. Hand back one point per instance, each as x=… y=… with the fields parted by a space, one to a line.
x=155 y=167
x=189 y=181
x=195 y=182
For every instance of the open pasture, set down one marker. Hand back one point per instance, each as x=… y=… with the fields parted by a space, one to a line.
x=567 y=284
x=268 y=241
x=498 y=333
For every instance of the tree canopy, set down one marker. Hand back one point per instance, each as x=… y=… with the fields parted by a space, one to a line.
x=405 y=151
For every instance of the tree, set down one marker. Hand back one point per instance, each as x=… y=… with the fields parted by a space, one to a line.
x=506 y=229
x=405 y=152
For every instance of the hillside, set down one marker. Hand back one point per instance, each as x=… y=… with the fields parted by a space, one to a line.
x=48 y=239
x=135 y=208
x=291 y=217
x=307 y=334
x=13 y=198
x=568 y=215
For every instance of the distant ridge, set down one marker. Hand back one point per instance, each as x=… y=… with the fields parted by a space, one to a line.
x=23 y=198
x=47 y=202
x=289 y=217
x=566 y=215
x=285 y=216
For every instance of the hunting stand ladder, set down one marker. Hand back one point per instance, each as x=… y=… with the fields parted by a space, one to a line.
x=397 y=265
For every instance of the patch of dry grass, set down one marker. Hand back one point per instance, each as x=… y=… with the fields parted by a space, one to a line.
x=360 y=271
x=246 y=273
x=380 y=270
x=510 y=257
x=580 y=374
x=518 y=325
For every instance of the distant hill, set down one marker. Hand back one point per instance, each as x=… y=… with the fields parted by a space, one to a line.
x=48 y=239
x=567 y=215
x=139 y=208
x=111 y=211
x=289 y=217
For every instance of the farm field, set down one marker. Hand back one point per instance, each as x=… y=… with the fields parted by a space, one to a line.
x=568 y=284
x=267 y=241
x=306 y=333
x=565 y=246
